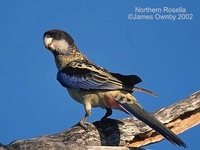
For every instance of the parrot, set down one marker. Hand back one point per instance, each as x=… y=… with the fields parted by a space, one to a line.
x=94 y=86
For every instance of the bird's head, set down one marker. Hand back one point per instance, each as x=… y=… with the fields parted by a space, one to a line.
x=57 y=41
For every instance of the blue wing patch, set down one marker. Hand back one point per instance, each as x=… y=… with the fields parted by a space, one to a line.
x=80 y=75
x=87 y=78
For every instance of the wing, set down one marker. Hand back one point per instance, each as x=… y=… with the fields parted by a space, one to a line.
x=87 y=76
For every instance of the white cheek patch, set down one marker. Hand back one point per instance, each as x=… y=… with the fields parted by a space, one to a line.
x=61 y=45
x=47 y=41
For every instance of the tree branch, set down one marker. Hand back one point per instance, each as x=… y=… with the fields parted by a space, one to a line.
x=126 y=133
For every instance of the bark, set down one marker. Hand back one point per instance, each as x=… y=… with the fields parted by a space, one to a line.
x=118 y=134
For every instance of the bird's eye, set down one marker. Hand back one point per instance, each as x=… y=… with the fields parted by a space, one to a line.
x=59 y=34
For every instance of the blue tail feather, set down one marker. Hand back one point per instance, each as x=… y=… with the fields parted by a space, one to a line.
x=152 y=122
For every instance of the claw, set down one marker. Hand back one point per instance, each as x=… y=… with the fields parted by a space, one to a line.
x=83 y=122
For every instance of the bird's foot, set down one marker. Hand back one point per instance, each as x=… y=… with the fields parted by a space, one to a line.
x=84 y=124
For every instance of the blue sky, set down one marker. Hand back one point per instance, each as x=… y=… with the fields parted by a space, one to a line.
x=165 y=54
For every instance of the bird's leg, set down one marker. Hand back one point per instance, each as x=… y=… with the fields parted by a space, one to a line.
x=83 y=122
x=108 y=113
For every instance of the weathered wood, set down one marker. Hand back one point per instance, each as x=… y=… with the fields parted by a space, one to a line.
x=128 y=132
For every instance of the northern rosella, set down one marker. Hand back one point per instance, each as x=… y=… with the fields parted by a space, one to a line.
x=94 y=86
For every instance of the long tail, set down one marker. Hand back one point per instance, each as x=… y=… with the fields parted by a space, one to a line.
x=151 y=121
x=139 y=89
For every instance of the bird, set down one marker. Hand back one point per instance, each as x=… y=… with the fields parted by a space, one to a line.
x=94 y=86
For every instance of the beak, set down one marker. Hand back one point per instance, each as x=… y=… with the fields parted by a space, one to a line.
x=47 y=41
